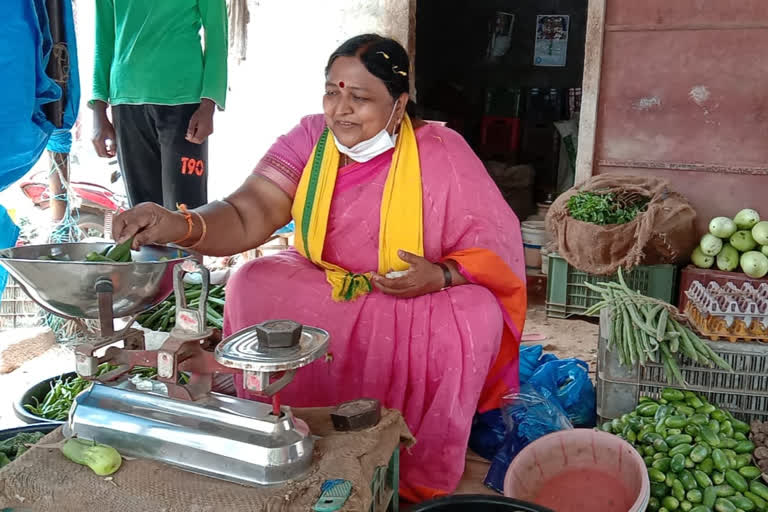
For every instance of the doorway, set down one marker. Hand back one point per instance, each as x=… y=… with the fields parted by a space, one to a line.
x=507 y=75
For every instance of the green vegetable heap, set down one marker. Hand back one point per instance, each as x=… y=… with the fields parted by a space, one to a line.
x=16 y=445
x=604 y=209
x=163 y=316
x=57 y=402
x=729 y=244
x=698 y=456
x=120 y=253
x=645 y=329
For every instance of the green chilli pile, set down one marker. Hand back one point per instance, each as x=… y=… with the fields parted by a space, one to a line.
x=57 y=402
x=699 y=457
x=645 y=329
x=120 y=253
x=162 y=317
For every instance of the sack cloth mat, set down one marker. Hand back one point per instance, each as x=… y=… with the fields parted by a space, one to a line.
x=42 y=479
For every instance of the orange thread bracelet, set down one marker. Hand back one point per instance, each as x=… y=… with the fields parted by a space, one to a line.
x=202 y=235
x=183 y=210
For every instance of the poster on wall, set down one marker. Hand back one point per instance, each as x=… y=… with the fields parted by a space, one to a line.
x=500 y=34
x=551 y=46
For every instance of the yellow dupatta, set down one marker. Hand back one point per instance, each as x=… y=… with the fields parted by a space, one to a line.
x=401 y=211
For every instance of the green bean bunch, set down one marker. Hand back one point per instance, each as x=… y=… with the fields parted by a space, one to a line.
x=163 y=316
x=645 y=329
x=57 y=402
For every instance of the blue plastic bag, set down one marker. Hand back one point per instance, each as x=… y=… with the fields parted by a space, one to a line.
x=568 y=380
x=488 y=429
x=530 y=359
x=25 y=49
x=528 y=415
x=9 y=233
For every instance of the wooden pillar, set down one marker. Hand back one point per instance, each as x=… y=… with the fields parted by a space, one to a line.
x=593 y=63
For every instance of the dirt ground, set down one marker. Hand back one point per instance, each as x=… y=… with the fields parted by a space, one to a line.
x=564 y=338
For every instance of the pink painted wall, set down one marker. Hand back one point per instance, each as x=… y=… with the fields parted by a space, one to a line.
x=684 y=95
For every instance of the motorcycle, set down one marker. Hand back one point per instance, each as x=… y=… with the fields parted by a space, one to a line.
x=97 y=204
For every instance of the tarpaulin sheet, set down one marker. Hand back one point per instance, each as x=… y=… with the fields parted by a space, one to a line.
x=9 y=233
x=25 y=49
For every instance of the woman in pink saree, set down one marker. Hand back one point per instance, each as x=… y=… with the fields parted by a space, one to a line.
x=438 y=340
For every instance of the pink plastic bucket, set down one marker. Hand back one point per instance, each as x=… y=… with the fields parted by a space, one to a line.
x=580 y=470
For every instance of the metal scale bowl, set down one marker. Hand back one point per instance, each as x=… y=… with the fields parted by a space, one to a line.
x=186 y=425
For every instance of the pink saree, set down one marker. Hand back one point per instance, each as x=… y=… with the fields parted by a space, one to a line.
x=429 y=357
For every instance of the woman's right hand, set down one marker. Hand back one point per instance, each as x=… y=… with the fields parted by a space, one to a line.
x=149 y=223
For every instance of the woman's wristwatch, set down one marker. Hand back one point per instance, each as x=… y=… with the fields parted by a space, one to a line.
x=447 y=276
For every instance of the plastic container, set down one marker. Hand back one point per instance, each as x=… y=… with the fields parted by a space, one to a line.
x=535 y=236
x=544 y=261
x=744 y=392
x=477 y=503
x=580 y=470
x=38 y=391
x=499 y=136
x=45 y=428
x=567 y=296
x=541 y=211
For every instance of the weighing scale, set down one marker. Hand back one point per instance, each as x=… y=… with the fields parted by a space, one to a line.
x=180 y=423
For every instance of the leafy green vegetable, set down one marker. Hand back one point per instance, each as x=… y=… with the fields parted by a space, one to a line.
x=604 y=209
x=16 y=445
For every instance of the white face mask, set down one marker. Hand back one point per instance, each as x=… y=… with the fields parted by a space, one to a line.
x=369 y=149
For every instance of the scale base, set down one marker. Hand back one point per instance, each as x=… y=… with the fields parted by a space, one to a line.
x=217 y=436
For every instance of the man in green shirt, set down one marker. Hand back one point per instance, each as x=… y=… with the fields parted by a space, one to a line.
x=163 y=88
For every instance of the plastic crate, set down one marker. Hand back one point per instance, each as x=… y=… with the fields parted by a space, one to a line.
x=567 y=296
x=17 y=309
x=499 y=136
x=386 y=484
x=743 y=392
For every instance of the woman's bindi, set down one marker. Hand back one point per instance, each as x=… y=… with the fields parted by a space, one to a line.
x=341 y=85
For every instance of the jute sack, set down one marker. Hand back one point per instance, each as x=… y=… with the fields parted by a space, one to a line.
x=664 y=233
x=43 y=480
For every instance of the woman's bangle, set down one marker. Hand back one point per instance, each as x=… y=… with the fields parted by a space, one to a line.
x=204 y=232
x=447 y=275
x=188 y=217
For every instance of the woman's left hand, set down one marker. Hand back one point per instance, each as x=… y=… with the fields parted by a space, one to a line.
x=422 y=278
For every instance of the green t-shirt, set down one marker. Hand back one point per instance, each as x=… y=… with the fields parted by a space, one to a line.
x=149 y=51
